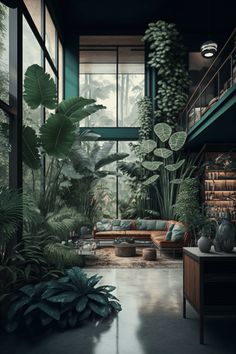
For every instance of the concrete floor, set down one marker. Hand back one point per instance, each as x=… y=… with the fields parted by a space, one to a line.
x=150 y=323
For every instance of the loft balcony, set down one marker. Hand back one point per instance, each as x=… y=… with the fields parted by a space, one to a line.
x=210 y=113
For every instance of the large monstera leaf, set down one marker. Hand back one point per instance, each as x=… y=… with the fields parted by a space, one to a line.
x=152 y=165
x=175 y=166
x=147 y=146
x=57 y=135
x=177 y=140
x=77 y=108
x=163 y=131
x=31 y=155
x=163 y=152
x=40 y=88
x=151 y=180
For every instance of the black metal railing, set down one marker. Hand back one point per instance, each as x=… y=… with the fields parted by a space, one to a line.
x=220 y=76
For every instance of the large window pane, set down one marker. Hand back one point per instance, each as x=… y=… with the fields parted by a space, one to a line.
x=101 y=184
x=4 y=53
x=130 y=84
x=31 y=55
x=4 y=149
x=34 y=8
x=50 y=36
x=98 y=81
x=60 y=72
x=125 y=196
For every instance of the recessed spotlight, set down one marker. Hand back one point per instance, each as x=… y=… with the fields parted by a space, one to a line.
x=209 y=49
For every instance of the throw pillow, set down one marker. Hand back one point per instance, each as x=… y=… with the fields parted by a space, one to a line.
x=178 y=233
x=125 y=224
x=168 y=236
x=160 y=225
x=115 y=222
x=171 y=227
x=104 y=225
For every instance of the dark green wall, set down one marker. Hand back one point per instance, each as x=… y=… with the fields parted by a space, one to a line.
x=72 y=66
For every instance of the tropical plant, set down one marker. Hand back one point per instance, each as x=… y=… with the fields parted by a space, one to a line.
x=188 y=209
x=67 y=301
x=167 y=55
x=167 y=166
x=88 y=166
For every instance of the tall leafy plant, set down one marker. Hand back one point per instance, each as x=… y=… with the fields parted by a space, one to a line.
x=167 y=166
x=167 y=55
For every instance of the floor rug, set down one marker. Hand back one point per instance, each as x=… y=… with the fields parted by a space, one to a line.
x=105 y=258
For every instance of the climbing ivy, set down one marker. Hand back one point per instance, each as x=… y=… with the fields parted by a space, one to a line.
x=167 y=55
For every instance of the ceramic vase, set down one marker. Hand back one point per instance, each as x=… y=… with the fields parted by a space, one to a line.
x=204 y=244
x=225 y=237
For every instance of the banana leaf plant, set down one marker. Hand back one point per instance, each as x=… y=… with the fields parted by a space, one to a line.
x=57 y=136
x=167 y=166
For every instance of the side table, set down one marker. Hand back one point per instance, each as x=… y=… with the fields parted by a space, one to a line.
x=209 y=284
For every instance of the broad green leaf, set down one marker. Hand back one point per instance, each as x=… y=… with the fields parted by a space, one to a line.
x=151 y=180
x=94 y=280
x=175 y=166
x=177 y=140
x=81 y=304
x=31 y=308
x=30 y=151
x=177 y=181
x=163 y=152
x=147 y=146
x=115 y=305
x=17 y=305
x=77 y=108
x=50 y=310
x=98 y=298
x=100 y=310
x=67 y=296
x=163 y=131
x=152 y=165
x=57 y=135
x=39 y=88
x=45 y=320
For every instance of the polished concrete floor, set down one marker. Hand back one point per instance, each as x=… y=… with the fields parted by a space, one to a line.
x=150 y=323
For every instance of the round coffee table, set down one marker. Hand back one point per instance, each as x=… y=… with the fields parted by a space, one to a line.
x=125 y=250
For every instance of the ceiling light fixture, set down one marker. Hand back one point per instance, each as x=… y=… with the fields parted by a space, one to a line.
x=209 y=49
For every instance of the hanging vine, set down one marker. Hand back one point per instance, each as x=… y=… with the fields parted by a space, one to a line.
x=167 y=55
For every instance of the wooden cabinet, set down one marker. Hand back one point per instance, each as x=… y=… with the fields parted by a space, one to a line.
x=209 y=283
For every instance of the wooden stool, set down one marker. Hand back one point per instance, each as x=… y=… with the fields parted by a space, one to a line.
x=149 y=254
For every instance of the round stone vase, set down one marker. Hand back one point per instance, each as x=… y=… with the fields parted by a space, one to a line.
x=204 y=244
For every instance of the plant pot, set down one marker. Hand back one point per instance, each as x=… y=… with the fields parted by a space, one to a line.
x=204 y=244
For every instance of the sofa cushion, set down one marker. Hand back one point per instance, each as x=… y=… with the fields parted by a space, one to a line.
x=160 y=225
x=150 y=224
x=141 y=224
x=178 y=232
x=104 y=225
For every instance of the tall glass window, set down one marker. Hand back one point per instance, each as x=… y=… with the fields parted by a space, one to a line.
x=4 y=149
x=50 y=36
x=4 y=53
x=34 y=8
x=112 y=72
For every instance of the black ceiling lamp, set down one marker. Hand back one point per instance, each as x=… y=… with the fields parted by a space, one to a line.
x=209 y=48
